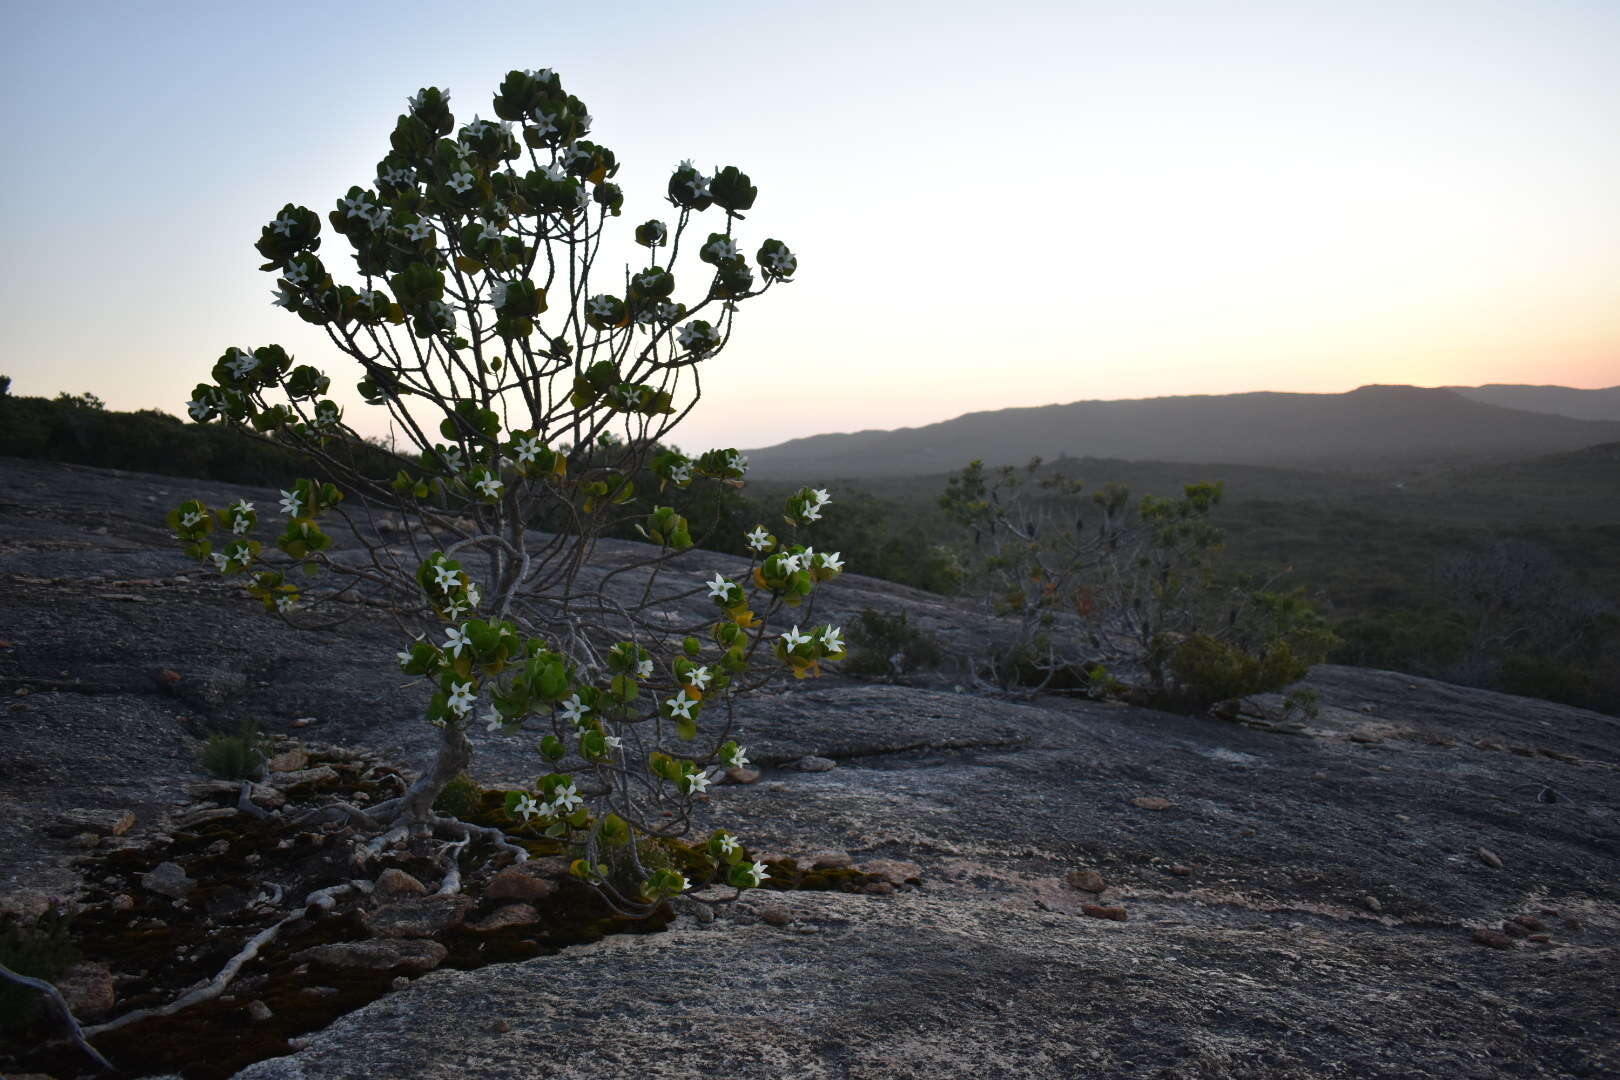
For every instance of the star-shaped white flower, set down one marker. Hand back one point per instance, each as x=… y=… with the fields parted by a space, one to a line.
x=739 y=760
x=455 y=609
x=793 y=639
x=199 y=409
x=613 y=741
x=404 y=657
x=357 y=206
x=699 y=677
x=295 y=273
x=758 y=538
x=452 y=459
x=240 y=525
x=830 y=562
x=719 y=588
x=680 y=705
x=489 y=487
x=220 y=561
x=758 y=873
x=284 y=224
x=722 y=249
x=492 y=720
x=446 y=578
x=456 y=639
x=781 y=261
x=497 y=294
x=418 y=230
x=601 y=305
x=726 y=843
x=528 y=449
x=284 y=296
x=544 y=124
x=737 y=461
x=291 y=503
x=790 y=563
x=285 y=603
x=473 y=596
x=526 y=808
x=680 y=474
x=566 y=798
x=190 y=518
x=461 y=698
x=697 y=783
x=461 y=182
x=242 y=362
x=821 y=497
x=574 y=710
x=644 y=669
x=832 y=639
x=811 y=513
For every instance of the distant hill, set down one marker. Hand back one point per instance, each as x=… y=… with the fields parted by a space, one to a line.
x=1373 y=428
x=1560 y=400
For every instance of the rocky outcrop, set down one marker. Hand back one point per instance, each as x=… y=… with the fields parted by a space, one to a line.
x=1282 y=896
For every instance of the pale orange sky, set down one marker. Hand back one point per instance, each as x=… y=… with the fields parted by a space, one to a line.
x=1036 y=203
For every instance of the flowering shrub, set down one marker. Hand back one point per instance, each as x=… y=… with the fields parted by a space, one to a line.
x=526 y=386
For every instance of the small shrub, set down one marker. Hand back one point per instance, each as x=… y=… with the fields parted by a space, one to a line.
x=236 y=757
x=886 y=643
x=42 y=948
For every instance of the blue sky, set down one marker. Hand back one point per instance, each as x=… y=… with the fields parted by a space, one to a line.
x=992 y=205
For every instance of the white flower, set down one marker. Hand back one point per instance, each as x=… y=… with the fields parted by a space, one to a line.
x=719 y=588
x=291 y=503
x=737 y=461
x=790 y=563
x=528 y=448
x=284 y=224
x=574 y=710
x=544 y=123
x=220 y=561
x=613 y=741
x=199 y=409
x=403 y=657
x=242 y=363
x=497 y=294
x=566 y=798
x=699 y=677
x=461 y=698
x=758 y=872
x=241 y=553
x=240 y=525
x=793 y=639
x=492 y=720
x=680 y=705
x=447 y=578
x=727 y=843
x=575 y=154
x=830 y=562
x=489 y=486
x=452 y=459
x=669 y=311
x=190 y=518
x=821 y=496
x=739 y=759
x=489 y=232
x=526 y=807
x=285 y=603
x=418 y=230
x=357 y=206
x=456 y=639
x=418 y=99
x=644 y=669
x=832 y=639
x=461 y=182
x=554 y=174
x=295 y=273
x=477 y=128
x=455 y=609
x=811 y=513
x=380 y=219
x=759 y=539
x=680 y=474
x=473 y=595
x=696 y=337
x=540 y=75
x=697 y=783
x=781 y=261
x=601 y=305
x=722 y=249
x=284 y=296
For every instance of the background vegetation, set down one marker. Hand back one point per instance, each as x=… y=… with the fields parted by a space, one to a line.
x=1502 y=576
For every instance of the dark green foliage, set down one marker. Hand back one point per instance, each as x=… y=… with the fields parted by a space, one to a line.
x=236 y=757
x=78 y=429
x=461 y=798
x=886 y=643
x=41 y=948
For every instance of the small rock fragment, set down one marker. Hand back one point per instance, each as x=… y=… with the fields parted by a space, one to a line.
x=1490 y=858
x=87 y=840
x=320 y=774
x=88 y=988
x=1513 y=929
x=100 y=822
x=896 y=872
x=831 y=860
x=519 y=883
x=878 y=888
x=258 y=1010
x=168 y=879
x=502 y=918
x=1105 y=911
x=291 y=760
x=1181 y=870
x=776 y=915
x=1530 y=922
x=418 y=918
x=202 y=817
x=812 y=763
x=1086 y=881
x=1372 y=903
x=400 y=982
x=318 y=991
x=500 y=1027
x=741 y=774
x=394 y=883
x=1541 y=939
x=303 y=721
x=1152 y=802
x=1495 y=939
x=377 y=955
x=123 y=902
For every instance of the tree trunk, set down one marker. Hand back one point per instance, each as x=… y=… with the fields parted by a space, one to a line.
x=455 y=754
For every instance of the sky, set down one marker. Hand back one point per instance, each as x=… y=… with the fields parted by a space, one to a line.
x=992 y=205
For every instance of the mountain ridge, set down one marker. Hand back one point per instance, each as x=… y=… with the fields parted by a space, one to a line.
x=1369 y=428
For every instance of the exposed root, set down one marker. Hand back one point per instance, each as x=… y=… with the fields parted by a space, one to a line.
x=324 y=899
x=388 y=839
x=245 y=803
x=447 y=861
x=466 y=831
x=61 y=1004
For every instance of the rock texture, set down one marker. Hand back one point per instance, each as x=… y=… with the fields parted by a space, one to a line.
x=1302 y=898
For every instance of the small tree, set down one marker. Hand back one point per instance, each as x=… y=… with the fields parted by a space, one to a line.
x=1115 y=597
x=523 y=385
